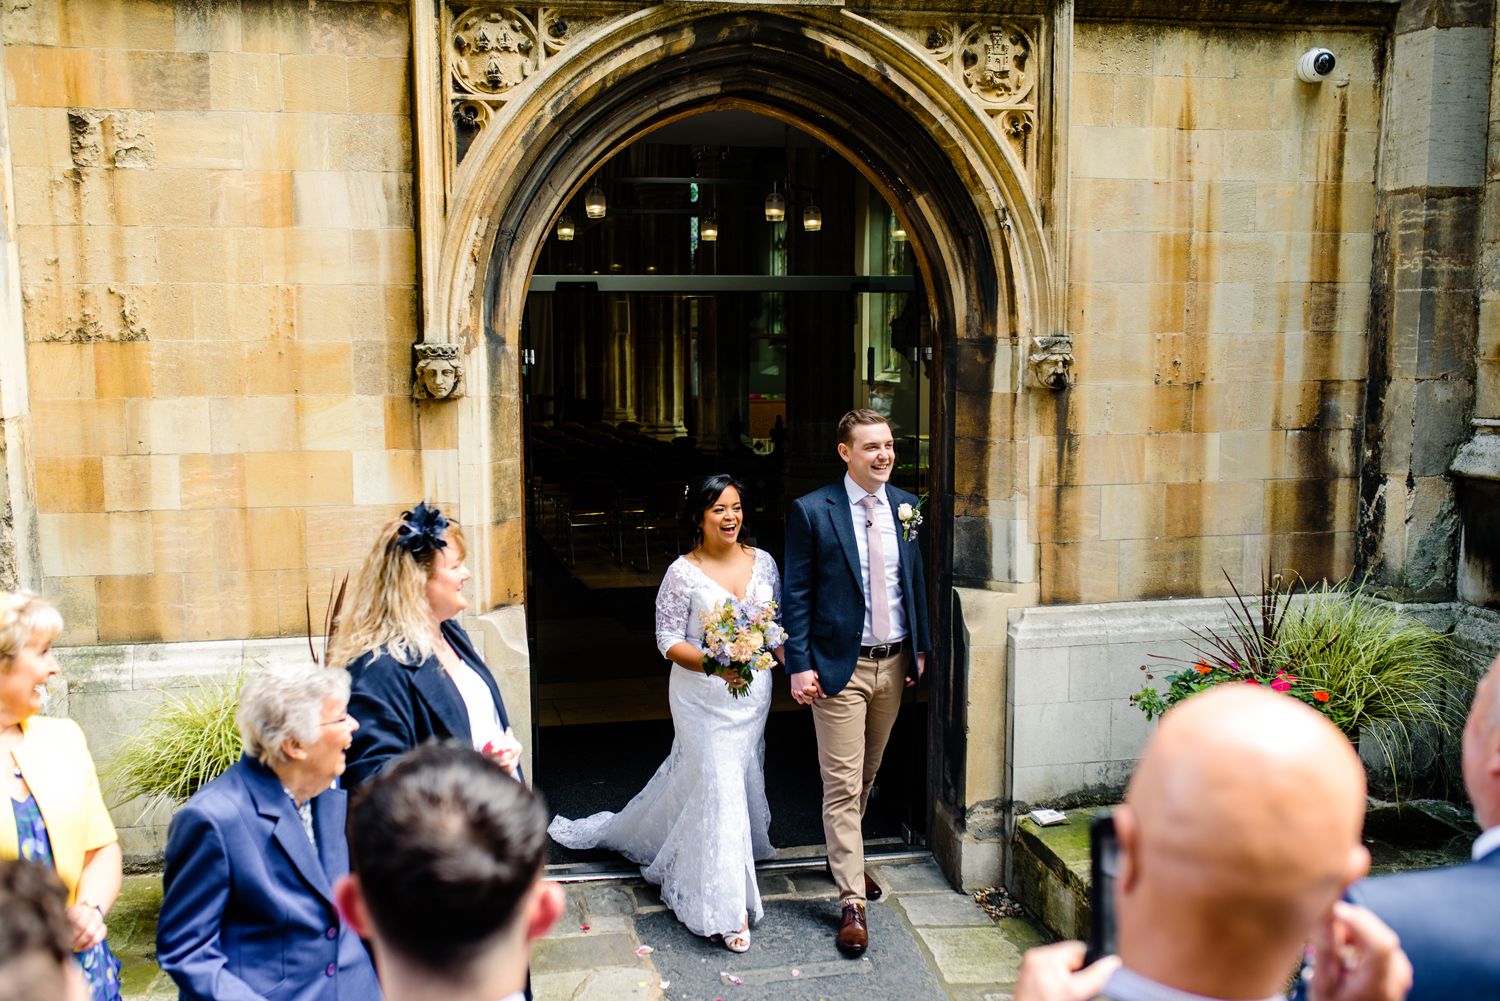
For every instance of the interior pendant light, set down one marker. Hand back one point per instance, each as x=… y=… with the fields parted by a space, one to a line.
x=565 y=229
x=775 y=204
x=708 y=229
x=812 y=219
x=593 y=202
x=898 y=234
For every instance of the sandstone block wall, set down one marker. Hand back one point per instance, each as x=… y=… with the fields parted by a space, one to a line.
x=1219 y=290
x=215 y=231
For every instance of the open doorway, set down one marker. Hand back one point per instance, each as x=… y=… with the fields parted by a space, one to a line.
x=685 y=330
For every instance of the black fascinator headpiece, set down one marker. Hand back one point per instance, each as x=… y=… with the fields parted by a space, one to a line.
x=424 y=532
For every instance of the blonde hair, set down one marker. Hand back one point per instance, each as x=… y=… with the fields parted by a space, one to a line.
x=285 y=703
x=857 y=418
x=387 y=605
x=24 y=616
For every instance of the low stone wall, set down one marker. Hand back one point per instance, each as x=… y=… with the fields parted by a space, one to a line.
x=1072 y=669
x=114 y=691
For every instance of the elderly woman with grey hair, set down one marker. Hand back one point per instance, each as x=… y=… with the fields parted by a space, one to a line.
x=247 y=912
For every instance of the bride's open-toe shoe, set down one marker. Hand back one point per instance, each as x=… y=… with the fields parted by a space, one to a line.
x=738 y=941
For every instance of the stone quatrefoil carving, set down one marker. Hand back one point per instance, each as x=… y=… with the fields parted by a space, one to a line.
x=492 y=49
x=997 y=63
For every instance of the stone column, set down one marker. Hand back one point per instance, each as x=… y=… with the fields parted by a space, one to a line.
x=619 y=362
x=20 y=561
x=1476 y=470
x=1424 y=303
x=663 y=369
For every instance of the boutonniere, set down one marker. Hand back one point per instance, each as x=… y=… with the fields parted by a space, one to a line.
x=910 y=517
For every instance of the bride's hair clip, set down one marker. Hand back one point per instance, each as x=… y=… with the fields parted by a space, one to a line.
x=424 y=532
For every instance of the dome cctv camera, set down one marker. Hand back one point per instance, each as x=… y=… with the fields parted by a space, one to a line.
x=1315 y=65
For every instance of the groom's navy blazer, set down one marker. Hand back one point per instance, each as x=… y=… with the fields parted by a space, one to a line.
x=247 y=910
x=401 y=703
x=823 y=595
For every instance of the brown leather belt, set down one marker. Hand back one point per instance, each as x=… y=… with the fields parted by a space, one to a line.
x=880 y=651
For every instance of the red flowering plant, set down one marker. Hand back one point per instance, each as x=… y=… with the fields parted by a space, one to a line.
x=1375 y=671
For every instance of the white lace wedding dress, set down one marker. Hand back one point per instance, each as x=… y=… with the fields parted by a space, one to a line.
x=702 y=821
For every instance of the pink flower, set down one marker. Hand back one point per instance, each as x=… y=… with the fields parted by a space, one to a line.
x=1281 y=684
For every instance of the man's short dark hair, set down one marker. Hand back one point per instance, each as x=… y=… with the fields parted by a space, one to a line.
x=445 y=845
x=35 y=934
x=855 y=418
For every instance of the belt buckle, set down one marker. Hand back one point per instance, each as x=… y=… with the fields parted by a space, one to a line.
x=880 y=651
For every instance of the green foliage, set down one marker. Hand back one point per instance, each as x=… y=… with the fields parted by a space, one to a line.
x=191 y=740
x=1373 y=670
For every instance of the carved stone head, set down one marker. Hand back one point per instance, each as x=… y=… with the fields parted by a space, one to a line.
x=438 y=375
x=1052 y=361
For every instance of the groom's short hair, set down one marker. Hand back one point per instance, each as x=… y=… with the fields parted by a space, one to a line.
x=446 y=845
x=854 y=418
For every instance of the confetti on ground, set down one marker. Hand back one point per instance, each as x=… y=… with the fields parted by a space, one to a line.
x=796 y=973
x=584 y=927
x=644 y=950
x=665 y=984
x=730 y=978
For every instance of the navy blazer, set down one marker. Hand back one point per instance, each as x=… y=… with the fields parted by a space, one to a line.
x=1446 y=919
x=247 y=906
x=400 y=704
x=823 y=594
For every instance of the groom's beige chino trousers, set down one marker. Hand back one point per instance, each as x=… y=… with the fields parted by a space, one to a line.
x=853 y=728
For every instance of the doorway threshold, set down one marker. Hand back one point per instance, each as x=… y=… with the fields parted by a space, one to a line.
x=788 y=859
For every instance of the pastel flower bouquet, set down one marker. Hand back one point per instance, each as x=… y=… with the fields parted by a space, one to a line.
x=737 y=640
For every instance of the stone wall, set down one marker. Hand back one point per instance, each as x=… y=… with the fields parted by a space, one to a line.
x=1424 y=320
x=217 y=265
x=18 y=557
x=1221 y=218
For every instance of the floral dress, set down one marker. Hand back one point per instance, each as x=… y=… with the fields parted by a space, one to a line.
x=101 y=969
x=702 y=821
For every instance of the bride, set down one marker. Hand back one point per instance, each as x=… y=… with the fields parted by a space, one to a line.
x=702 y=821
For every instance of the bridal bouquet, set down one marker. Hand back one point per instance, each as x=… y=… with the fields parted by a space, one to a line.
x=737 y=637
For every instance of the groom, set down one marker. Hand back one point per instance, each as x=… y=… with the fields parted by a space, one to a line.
x=855 y=613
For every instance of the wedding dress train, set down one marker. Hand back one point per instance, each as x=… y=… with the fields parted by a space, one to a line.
x=700 y=824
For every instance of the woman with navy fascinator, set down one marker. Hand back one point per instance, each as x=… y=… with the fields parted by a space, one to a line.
x=415 y=675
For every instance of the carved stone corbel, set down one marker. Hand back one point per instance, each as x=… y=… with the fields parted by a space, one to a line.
x=439 y=374
x=1052 y=361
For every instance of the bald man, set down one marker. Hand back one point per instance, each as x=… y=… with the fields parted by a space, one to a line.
x=1239 y=832
x=1447 y=918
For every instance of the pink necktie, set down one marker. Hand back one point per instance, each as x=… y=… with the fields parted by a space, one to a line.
x=880 y=602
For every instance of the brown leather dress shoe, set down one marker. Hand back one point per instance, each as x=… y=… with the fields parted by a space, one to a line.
x=854 y=934
x=872 y=888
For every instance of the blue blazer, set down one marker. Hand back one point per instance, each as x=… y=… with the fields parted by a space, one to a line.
x=822 y=592
x=247 y=909
x=1447 y=919
x=400 y=704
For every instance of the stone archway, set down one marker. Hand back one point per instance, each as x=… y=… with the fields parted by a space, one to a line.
x=870 y=93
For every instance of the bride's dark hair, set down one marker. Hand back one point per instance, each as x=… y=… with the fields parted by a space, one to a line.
x=702 y=496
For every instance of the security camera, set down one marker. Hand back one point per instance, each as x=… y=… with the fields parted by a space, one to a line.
x=1315 y=65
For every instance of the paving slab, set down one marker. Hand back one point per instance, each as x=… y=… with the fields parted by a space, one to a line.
x=585 y=952
x=912 y=877
x=980 y=955
x=794 y=936
x=618 y=983
x=943 y=909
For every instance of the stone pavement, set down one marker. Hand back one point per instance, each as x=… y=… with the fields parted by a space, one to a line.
x=926 y=942
x=618 y=943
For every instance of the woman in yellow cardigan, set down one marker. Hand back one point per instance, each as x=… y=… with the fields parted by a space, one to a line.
x=58 y=816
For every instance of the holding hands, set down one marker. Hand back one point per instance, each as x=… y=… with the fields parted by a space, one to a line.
x=805 y=688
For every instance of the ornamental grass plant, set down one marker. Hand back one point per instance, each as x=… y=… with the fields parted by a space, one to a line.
x=1376 y=672
x=190 y=741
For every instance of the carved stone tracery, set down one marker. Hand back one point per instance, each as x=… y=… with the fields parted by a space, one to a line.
x=491 y=49
x=997 y=63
